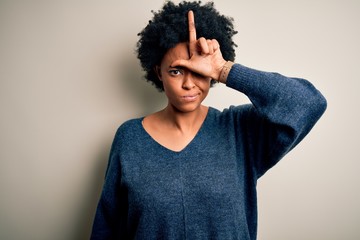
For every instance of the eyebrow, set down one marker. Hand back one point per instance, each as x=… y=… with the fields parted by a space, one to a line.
x=178 y=67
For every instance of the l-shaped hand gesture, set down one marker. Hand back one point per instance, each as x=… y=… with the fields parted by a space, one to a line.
x=205 y=55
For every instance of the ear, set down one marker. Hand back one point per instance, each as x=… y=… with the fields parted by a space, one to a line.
x=157 y=70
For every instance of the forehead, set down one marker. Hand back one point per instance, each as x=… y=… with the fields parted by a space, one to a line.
x=180 y=51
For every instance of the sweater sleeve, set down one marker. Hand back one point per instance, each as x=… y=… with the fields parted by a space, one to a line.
x=283 y=111
x=110 y=217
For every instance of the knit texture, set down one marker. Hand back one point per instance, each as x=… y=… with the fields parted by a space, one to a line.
x=207 y=190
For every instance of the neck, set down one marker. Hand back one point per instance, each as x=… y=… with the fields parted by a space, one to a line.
x=184 y=121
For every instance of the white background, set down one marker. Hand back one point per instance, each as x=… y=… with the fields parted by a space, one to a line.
x=69 y=77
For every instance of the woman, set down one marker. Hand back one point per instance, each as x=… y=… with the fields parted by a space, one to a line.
x=190 y=171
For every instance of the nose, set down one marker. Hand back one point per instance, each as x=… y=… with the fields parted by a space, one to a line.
x=189 y=81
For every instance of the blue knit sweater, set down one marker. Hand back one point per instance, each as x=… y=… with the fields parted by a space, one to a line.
x=207 y=190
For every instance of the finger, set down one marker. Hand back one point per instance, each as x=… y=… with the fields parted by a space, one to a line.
x=203 y=44
x=192 y=29
x=210 y=46
x=215 y=44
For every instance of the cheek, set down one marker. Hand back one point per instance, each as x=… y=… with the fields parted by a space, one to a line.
x=205 y=85
x=206 y=92
x=205 y=88
x=169 y=89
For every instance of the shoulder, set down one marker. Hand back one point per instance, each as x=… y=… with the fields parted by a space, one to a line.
x=130 y=124
x=241 y=118
x=129 y=128
x=127 y=132
x=232 y=112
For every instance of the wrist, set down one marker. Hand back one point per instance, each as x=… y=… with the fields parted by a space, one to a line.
x=225 y=71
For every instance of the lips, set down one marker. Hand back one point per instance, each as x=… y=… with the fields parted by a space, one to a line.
x=190 y=97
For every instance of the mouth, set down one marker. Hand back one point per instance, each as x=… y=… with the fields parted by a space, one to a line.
x=190 y=97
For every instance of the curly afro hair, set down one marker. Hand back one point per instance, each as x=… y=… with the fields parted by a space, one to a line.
x=169 y=27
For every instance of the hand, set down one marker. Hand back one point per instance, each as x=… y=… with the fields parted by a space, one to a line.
x=205 y=55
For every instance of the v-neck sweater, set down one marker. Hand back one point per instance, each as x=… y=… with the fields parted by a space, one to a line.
x=208 y=189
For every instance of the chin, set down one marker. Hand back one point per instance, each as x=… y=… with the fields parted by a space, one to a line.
x=187 y=108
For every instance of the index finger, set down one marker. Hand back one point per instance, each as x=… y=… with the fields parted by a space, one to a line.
x=192 y=29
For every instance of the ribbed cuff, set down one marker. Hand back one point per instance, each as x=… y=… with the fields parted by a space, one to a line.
x=242 y=78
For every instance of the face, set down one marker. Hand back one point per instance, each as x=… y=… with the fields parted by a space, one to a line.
x=184 y=89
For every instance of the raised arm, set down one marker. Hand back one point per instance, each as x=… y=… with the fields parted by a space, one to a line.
x=282 y=113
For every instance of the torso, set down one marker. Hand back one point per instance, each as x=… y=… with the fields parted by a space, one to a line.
x=177 y=190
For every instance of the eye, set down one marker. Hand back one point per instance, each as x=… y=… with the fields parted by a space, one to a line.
x=175 y=72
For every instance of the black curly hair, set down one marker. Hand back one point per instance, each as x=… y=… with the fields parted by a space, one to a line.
x=169 y=27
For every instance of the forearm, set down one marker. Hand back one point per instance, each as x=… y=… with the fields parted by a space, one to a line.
x=282 y=100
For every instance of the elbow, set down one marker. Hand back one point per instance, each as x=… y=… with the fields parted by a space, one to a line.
x=314 y=107
x=318 y=105
x=313 y=100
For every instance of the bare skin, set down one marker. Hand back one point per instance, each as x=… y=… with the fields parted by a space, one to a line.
x=186 y=71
